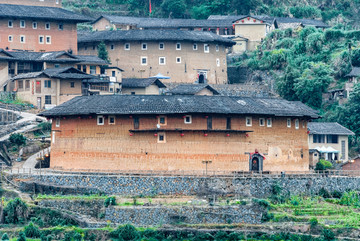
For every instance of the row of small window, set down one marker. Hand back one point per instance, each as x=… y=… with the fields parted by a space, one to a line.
x=269 y=122
x=42 y=39
x=162 y=61
x=47 y=84
x=144 y=46
x=332 y=139
x=34 y=25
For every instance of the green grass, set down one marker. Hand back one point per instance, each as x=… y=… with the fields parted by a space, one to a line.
x=70 y=197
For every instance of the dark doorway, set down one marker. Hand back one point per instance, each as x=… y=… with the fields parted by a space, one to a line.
x=255 y=165
x=201 y=79
x=256 y=162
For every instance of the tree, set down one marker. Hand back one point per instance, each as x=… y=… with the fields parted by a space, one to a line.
x=174 y=8
x=17 y=139
x=5 y=237
x=15 y=211
x=32 y=231
x=102 y=52
x=22 y=236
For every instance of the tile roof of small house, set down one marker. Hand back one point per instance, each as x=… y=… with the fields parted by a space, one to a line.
x=141 y=83
x=303 y=21
x=176 y=104
x=153 y=35
x=191 y=89
x=328 y=128
x=61 y=73
x=38 y=12
x=355 y=72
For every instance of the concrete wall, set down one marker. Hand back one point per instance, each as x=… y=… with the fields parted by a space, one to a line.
x=185 y=72
x=150 y=90
x=337 y=146
x=45 y=3
x=4 y=72
x=82 y=144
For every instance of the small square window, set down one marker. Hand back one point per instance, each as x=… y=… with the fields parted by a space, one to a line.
x=288 y=122
x=47 y=26
x=22 y=23
x=48 y=39
x=127 y=46
x=218 y=62
x=72 y=84
x=61 y=26
x=297 y=124
x=178 y=60
x=47 y=99
x=57 y=122
x=10 y=24
x=195 y=47
x=143 y=60
x=162 y=61
x=161 y=46
x=10 y=38
x=162 y=120
x=111 y=120
x=47 y=83
x=144 y=46
x=178 y=46
x=188 y=119
x=248 y=121
x=100 y=120
x=22 y=39
x=57 y=65
x=161 y=137
x=206 y=48
x=217 y=48
x=261 y=122
x=269 y=122
x=34 y=25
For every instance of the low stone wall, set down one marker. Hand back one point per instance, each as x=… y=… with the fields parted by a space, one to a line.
x=149 y=186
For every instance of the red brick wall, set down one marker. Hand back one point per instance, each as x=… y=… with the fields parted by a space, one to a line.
x=355 y=166
x=60 y=39
x=82 y=144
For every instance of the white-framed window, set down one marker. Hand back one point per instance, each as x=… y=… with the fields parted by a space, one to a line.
x=127 y=46
x=188 y=119
x=303 y=124
x=57 y=122
x=162 y=120
x=288 y=122
x=111 y=120
x=48 y=39
x=112 y=47
x=161 y=137
x=195 y=47
x=261 y=121
x=61 y=26
x=269 y=122
x=161 y=46
x=100 y=120
x=297 y=124
x=217 y=48
x=162 y=60
x=22 y=39
x=41 y=39
x=10 y=38
x=206 y=48
x=143 y=60
x=22 y=24
x=218 y=62
x=248 y=121
x=47 y=26
x=10 y=24
x=144 y=46
x=178 y=60
x=34 y=25
x=178 y=46
x=57 y=1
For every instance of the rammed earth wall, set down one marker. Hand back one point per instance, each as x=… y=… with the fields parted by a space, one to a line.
x=148 y=186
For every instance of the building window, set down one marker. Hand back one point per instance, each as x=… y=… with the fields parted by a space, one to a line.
x=261 y=122
x=22 y=24
x=343 y=150
x=47 y=83
x=85 y=48
x=161 y=46
x=162 y=61
x=34 y=25
x=178 y=60
x=112 y=47
x=47 y=26
x=248 y=121
x=269 y=122
x=297 y=124
x=162 y=120
x=47 y=99
x=61 y=26
x=217 y=48
x=188 y=119
x=288 y=122
x=303 y=124
x=41 y=39
x=94 y=47
x=318 y=138
x=144 y=46
x=20 y=85
x=143 y=60
x=161 y=137
x=53 y=137
x=57 y=65
x=111 y=120
x=127 y=46
x=22 y=39
x=136 y=123
x=133 y=93
x=178 y=46
x=27 y=85
x=10 y=38
x=10 y=24
x=206 y=48
x=332 y=139
x=218 y=62
x=228 y=123
x=48 y=39
x=57 y=122
x=100 y=120
x=93 y=70
x=195 y=47
x=72 y=84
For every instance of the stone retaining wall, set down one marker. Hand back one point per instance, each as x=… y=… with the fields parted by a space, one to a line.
x=151 y=186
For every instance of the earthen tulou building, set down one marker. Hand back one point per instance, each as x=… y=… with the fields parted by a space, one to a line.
x=179 y=133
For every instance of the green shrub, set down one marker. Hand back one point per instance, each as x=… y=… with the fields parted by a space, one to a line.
x=5 y=237
x=31 y=231
x=328 y=234
x=350 y=199
x=262 y=202
x=221 y=235
x=336 y=194
x=267 y=217
x=126 y=232
x=110 y=201
x=22 y=236
x=313 y=222
x=17 y=139
x=324 y=193
x=16 y=211
x=78 y=237
x=323 y=165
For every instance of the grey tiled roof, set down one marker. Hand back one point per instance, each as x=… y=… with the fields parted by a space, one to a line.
x=37 y=12
x=328 y=128
x=191 y=89
x=61 y=73
x=232 y=18
x=141 y=83
x=91 y=59
x=173 y=104
x=303 y=21
x=154 y=35
x=355 y=72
